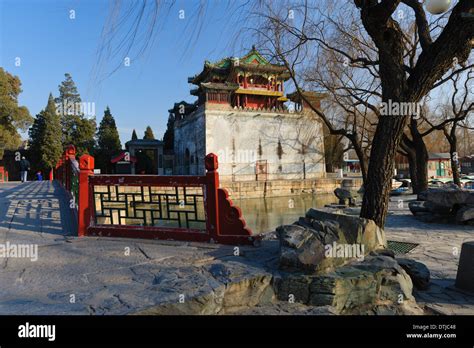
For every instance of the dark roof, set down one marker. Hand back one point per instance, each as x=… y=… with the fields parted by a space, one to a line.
x=438 y=155
x=188 y=108
x=145 y=142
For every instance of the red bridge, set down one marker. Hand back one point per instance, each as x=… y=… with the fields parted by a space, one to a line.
x=188 y=208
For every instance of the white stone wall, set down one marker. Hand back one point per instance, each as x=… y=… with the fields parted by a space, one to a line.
x=189 y=134
x=237 y=136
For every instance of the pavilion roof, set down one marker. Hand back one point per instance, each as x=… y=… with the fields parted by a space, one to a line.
x=252 y=61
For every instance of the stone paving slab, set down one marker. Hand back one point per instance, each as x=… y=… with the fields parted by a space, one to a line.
x=439 y=248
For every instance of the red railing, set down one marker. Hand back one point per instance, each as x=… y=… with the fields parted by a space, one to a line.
x=3 y=174
x=188 y=208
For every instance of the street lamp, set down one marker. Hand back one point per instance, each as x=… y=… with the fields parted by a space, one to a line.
x=437 y=7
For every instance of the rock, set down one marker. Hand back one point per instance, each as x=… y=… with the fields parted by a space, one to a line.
x=375 y=285
x=322 y=241
x=436 y=208
x=429 y=217
x=417 y=206
x=418 y=272
x=354 y=229
x=303 y=248
x=383 y=252
x=464 y=277
x=465 y=213
x=345 y=195
x=447 y=197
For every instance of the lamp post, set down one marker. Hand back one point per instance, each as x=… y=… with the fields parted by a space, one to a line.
x=437 y=7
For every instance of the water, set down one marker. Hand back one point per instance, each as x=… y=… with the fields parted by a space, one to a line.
x=266 y=214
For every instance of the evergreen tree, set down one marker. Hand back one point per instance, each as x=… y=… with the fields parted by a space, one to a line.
x=83 y=135
x=134 y=135
x=108 y=142
x=12 y=116
x=45 y=140
x=77 y=129
x=168 y=137
x=149 y=134
x=67 y=103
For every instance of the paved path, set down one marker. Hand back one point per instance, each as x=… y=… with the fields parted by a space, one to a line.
x=439 y=248
x=124 y=276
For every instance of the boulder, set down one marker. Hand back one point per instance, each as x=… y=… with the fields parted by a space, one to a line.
x=418 y=272
x=378 y=284
x=322 y=241
x=444 y=205
x=465 y=213
x=418 y=207
x=345 y=196
x=447 y=197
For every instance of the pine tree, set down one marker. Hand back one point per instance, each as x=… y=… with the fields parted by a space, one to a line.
x=77 y=129
x=108 y=142
x=36 y=133
x=134 y=135
x=67 y=103
x=168 y=137
x=83 y=135
x=149 y=134
x=45 y=140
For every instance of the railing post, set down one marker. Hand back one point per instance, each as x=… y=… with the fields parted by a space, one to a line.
x=212 y=204
x=86 y=167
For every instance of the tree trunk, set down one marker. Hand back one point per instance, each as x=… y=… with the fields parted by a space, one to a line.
x=408 y=147
x=421 y=154
x=362 y=160
x=453 y=151
x=381 y=165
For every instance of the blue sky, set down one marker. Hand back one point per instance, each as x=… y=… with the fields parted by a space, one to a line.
x=50 y=43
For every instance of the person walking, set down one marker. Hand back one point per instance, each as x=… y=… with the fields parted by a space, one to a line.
x=24 y=168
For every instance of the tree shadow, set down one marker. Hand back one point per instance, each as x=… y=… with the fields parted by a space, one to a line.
x=37 y=207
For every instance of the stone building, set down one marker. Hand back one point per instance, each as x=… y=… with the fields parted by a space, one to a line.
x=240 y=115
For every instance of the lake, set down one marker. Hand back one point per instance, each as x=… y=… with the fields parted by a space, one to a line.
x=265 y=214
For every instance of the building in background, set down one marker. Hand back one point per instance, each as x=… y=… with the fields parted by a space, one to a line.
x=240 y=116
x=439 y=166
x=147 y=155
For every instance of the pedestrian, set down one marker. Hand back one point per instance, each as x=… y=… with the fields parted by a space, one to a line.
x=39 y=175
x=24 y=168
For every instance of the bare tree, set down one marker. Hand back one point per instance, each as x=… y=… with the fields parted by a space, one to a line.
x=455 y=113
x=430 y=60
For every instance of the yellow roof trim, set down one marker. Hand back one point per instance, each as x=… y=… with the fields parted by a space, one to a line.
x=259 y=92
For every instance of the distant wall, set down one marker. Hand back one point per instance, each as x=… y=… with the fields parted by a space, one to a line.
x=189 y=144
x=290 y=146
x=283 y=188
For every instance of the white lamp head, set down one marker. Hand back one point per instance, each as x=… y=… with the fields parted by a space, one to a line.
x=437 y=7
